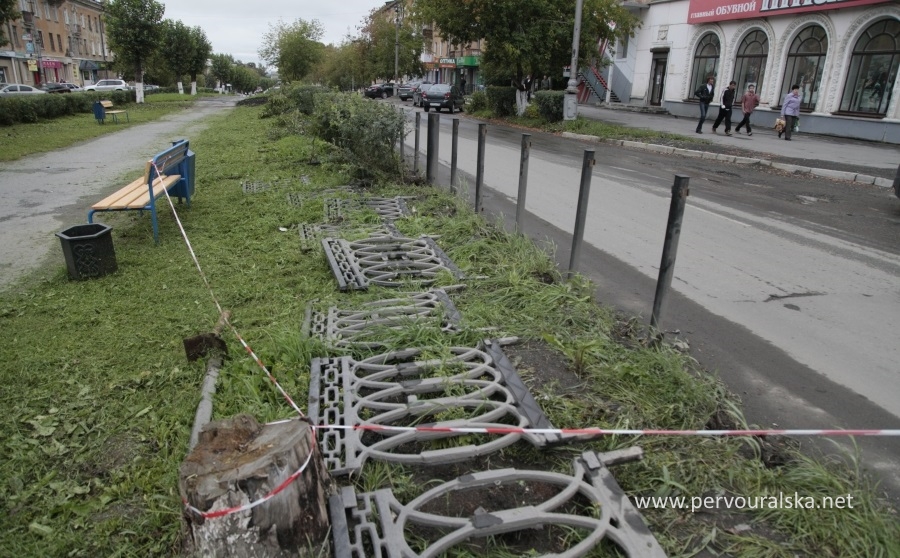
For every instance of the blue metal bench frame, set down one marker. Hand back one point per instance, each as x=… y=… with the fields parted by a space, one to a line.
x=171 y=170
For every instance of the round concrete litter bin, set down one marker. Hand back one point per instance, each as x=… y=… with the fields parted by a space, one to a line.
x=88 y=250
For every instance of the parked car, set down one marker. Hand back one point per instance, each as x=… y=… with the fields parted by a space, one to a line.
x=443 y=95
x=74 y=87
x=419 y=91
x=380 y=90
x=56 y=88
x=148 y=87
x=19 y=89
x=405 y=92
x=108 y=85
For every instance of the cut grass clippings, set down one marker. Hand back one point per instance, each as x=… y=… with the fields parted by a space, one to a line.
x=99 y=399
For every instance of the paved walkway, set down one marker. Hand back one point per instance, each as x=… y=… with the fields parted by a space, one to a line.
x=825 y=149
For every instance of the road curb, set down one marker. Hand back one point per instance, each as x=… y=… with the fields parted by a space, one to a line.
x=665 y=149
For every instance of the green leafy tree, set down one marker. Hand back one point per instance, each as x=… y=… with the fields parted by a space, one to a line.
x=294 y=49
x=526 y=37
x=222 y=68
x=200 y=51
x=345 y=66
x=244 y=79
x=176 y=49
x=134 y=30
x=8 y=12
x=381 y=35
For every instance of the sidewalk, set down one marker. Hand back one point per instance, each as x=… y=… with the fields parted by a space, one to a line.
x=811 y=151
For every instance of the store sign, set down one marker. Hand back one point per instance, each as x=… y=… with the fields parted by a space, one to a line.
x=704 y=11
x=32 y=66
x=51 y=63
x=447 y=62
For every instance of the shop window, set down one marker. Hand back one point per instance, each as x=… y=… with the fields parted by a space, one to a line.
x=750 y=62
x=3 y=75
x=805 y=61
x=873 y=69
x=706 y=60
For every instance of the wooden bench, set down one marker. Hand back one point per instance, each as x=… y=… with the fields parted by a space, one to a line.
x=102 y=108
x=170 y=170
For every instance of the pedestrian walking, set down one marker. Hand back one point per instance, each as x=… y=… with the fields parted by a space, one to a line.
x=462 y=85
x=727 y=103
x=790 y=111
x=528 y=83
x=749 y=101
x=705 y=93
x=545 y=83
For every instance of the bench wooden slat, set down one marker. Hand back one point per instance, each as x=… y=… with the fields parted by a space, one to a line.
x=160 y=185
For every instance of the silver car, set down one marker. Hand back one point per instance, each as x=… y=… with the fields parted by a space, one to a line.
x=20 y=89
x=109 y=85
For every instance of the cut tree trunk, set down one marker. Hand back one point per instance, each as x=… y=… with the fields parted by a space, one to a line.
x=237 y=462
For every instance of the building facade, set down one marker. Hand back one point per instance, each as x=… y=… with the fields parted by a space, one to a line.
x=54 y=43
x=844 y=55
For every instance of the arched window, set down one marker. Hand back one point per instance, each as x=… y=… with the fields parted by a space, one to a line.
x=706 y=59
x=873 y=69
x=805 y=61
x=750 y=64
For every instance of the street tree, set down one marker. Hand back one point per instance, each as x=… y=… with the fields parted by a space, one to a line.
x=8 y=12
x=176 y=49
x=293 y=48
x=134 y=29
x=199 y=52
x=386 y=44
x=527 y=37
x=222 y=68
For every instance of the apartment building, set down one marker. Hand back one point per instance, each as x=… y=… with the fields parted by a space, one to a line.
x=55 y=42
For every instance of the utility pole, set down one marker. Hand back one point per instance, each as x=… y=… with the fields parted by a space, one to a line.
x=570 y=102
x=397 y=50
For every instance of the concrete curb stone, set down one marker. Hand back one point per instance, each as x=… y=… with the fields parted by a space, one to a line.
x=695 y=154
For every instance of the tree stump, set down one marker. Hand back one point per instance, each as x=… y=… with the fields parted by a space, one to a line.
x=237 y=462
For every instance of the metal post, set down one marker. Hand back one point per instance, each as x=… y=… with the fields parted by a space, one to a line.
x=454 y=144
x=431 y=161
x=394 y=91
x=479 y=172
x=680 y=192
x=897 y=183
x=403 y=141
x=523 y=182
x=416 y=154
x=587 y=167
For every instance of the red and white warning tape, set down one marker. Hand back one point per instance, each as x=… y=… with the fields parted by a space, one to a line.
x=502 y=430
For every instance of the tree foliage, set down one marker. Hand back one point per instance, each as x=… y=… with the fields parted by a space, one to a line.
x=8 y=12
x=381 y=35
x=526 y=37
x=221 y=68
x=200 y=51
x=293 y=48
x=133 y=28
x=176 y=47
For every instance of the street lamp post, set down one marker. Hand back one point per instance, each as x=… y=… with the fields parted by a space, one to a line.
x=570 y=104
x=396 y=49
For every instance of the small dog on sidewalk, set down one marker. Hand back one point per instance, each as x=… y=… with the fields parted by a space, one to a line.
x=779 y=125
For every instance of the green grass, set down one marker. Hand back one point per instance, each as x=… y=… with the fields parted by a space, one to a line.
x=99 y=399
x=21 y=140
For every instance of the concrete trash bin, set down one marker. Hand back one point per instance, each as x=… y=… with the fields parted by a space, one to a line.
x=88 y=250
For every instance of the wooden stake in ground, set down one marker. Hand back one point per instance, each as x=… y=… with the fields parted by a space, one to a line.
x=237 y=462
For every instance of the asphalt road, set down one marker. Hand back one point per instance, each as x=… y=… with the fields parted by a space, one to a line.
x=44 y=194
x=785 y=286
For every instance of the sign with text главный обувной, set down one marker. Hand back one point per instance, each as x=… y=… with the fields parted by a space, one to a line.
x=705 y=11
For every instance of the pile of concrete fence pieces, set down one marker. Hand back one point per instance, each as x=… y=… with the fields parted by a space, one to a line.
x=409 y=408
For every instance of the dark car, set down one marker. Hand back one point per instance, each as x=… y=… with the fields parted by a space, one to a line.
x=380 y=91
x=443 y=95
x=419 y=91
x=405 y=92
x=56 y=88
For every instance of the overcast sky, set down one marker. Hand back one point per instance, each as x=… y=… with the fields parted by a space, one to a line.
x=236 y=27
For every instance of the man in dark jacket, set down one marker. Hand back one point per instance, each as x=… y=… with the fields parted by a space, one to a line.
x=725 y=109
x=705 y=93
